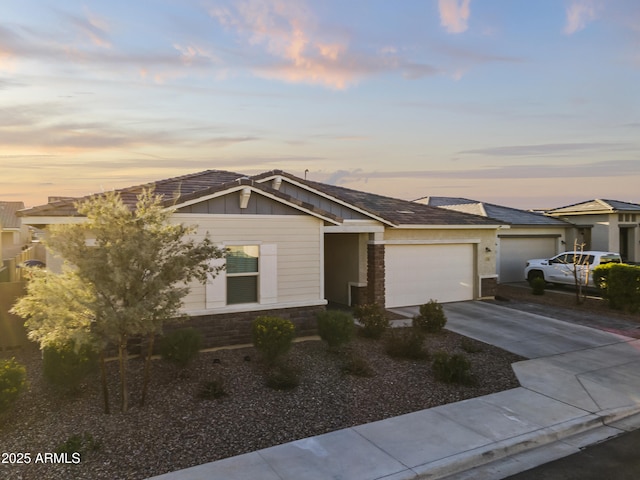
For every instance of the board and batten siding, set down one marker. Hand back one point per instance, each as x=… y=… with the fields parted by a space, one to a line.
x=298 y=245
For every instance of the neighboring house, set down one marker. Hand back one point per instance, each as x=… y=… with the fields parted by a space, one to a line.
x=607 y=225
x=532 y=235
x=303 y=244
x=12 y=232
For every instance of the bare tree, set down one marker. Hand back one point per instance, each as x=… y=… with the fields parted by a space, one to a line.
x=581 y=269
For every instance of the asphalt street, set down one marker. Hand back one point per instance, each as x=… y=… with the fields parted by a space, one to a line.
x=616 y=459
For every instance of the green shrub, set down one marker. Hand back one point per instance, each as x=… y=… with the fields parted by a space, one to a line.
x=538 y=285
x=81 y=444
x=452 y=368
x=373 y=319
x=357 y=366
x=620 y=284
x=181 y=346
x=64 y=366
x=272 y=337
x=12 y=381
x=335 y=327
x=406 y=343
x=600 y=276
x=431 y=318
x=212 y=390
x=283 y=377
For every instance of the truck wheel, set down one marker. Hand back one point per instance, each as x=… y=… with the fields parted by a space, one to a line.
x=533 y=275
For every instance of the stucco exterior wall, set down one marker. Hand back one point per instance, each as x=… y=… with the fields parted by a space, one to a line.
x=602 y=236
x=605 y=233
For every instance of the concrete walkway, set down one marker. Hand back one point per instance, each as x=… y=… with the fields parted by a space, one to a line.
x=580 y=386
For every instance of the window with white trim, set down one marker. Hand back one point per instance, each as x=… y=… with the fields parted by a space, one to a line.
x=250 y=276
x=242 y=274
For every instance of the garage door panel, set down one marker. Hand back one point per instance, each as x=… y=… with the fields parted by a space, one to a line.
x=514 y=253
x=416 y=274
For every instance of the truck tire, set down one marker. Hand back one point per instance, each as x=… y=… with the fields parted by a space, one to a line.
x=533 y=274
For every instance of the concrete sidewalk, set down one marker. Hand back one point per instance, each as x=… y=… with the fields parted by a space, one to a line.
x=580 y=387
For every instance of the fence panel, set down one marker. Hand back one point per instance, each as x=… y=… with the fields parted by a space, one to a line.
x=13 y=335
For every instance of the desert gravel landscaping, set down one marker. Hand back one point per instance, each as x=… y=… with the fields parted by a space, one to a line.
x=177 y=429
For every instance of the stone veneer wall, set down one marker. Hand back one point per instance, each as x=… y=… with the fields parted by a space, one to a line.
x=375 y=274
x=359 y=295
x=235 y=328
x=488 y=287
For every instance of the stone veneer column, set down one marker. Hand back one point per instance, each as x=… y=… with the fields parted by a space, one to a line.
x=375 y=273
x=488 y=287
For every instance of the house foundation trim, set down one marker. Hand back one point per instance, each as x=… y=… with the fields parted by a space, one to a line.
x=254 y=308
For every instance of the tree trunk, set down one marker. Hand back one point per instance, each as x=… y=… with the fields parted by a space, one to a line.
x=123 y=357
x=578 y=284
x=105 y=389
x=147 y=369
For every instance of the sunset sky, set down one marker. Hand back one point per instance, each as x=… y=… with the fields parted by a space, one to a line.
x=529 y=104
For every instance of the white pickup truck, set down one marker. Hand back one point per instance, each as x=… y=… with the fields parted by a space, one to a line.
x=560 y=269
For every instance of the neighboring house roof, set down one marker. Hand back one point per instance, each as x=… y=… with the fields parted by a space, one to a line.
x=596 y=206
x=188 y=188
x=510 y=215
x=8 y=217
x=391 y=210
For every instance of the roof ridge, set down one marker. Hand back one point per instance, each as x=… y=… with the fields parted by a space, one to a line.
x=572 y=204
x=414 y=207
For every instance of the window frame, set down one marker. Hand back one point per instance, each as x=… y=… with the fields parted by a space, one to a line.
x=253 y=274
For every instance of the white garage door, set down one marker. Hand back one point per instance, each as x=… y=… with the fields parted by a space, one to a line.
x=514 y=253
x=415 y=274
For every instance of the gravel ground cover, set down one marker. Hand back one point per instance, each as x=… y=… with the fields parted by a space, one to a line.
x=177 y=429
x=560 y=303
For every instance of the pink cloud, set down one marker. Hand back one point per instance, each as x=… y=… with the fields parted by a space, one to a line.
x=454 y=14
x=301 y=51
x=288 y=32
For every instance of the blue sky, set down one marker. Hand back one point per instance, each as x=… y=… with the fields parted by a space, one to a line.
x=526 y=104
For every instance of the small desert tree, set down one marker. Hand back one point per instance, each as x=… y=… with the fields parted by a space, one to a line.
x=60 y=310
x=131 y=267
x=580 y=268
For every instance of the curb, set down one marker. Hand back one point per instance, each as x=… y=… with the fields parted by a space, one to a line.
x=512 y=446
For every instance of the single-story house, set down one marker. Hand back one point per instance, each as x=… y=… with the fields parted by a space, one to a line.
x=532 y=235
x=13 y=234
x=310 y=243
x=607 y=225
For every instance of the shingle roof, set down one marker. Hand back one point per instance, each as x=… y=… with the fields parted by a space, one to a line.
x=393 y=210
x=179 y=190
x=184 y=187
x=8 y=217
x=595 y=206
x=196 y=185
x=510 y=215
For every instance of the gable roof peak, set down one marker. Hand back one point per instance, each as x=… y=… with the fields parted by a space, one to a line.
x=595 y=205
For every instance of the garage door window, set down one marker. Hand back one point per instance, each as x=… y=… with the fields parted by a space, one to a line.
x=242 y=274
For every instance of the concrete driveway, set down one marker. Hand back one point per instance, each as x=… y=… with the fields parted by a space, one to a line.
x=525 y=334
